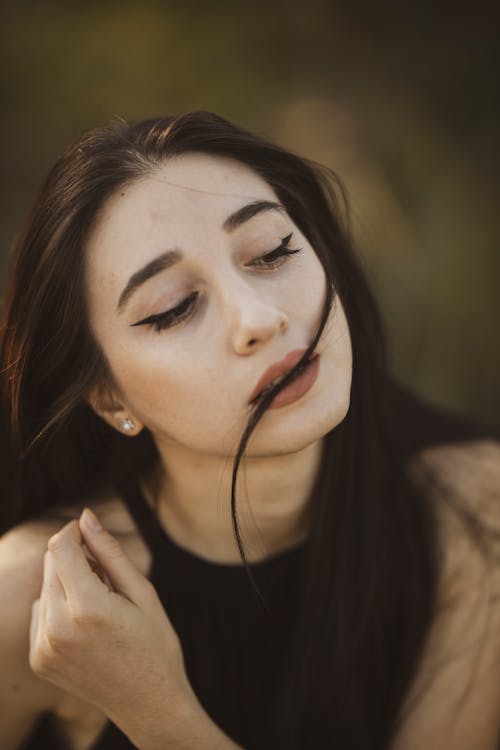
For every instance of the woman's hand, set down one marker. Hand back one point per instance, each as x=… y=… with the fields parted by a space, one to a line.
x=115 y=649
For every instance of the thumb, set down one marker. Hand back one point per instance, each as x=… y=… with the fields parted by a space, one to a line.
x=108 y=552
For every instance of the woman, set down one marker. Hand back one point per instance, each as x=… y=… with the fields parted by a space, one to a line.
x=284 y=559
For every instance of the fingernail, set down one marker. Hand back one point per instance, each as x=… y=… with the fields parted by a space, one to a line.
x=90 y=520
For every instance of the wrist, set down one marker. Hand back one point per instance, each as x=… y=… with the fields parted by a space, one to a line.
x=189 y=727
x=198 y=731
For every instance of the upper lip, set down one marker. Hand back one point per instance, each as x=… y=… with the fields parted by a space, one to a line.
x=278 y=368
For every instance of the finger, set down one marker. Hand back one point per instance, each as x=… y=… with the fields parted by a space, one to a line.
x=34 y=624
x=70 y=561
x=124 y=576
x=52 y=588
x=97 y=568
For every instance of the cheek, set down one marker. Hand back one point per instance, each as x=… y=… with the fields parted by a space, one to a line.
x=191 y=410
x=309 y=294
x=181 y=397
x=337 y=340
x=155 y=385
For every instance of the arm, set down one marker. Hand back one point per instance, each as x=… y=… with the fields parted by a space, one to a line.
x=454 y=701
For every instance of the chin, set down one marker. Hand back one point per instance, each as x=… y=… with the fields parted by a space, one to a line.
x=298 y=428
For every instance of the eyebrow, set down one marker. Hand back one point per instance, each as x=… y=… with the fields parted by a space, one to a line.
x=171 y=257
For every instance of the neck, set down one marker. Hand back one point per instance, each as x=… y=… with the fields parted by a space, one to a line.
x=193 y=496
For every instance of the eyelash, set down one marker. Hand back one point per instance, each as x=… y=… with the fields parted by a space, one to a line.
x=181 y=312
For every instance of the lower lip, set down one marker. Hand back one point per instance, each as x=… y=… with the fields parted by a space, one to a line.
x=298 y=387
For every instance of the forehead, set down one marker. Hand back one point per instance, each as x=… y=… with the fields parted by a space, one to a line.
x=187 y=188
x=182 y=203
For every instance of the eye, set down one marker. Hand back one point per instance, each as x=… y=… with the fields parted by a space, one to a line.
x=171 y=317
x=183 y=311
x=277 y=256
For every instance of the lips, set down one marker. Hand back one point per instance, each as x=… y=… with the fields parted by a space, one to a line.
x=276 y=370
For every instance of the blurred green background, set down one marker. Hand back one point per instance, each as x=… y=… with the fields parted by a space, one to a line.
x=402 y=101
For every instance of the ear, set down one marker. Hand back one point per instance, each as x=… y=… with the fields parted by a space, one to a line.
x=109 y=407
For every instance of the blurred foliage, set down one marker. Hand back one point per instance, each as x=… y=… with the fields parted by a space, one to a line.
x=400 y=100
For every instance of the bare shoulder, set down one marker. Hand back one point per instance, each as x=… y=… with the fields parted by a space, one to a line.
x=454 y=700
x=470 y=469
x=21 y=563
x=463 y=480
x=464 y=483
x=21 y=569
x=22 y=551
x=23 y=694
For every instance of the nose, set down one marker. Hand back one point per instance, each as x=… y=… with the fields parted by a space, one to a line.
x=253 y=320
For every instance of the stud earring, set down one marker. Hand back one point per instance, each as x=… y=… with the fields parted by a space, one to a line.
x=127 y=425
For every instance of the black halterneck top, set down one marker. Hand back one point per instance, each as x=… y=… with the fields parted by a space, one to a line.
x=234 y=650
x=234 y=653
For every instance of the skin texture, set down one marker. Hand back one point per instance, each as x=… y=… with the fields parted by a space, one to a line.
x=88 y=638
x=190 y=384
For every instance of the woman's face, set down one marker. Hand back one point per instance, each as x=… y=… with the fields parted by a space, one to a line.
x=235 y=314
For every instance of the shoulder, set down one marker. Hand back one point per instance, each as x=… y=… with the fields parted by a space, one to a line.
x=21 y=567
x=454 y=700
x=468 y=466
x=22 y=693
x=22 y=551
x=463 y=483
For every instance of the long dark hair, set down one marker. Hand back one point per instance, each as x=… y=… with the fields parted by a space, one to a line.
x=368 y=585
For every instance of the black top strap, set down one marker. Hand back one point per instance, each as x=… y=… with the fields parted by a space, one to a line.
x=169 y=555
